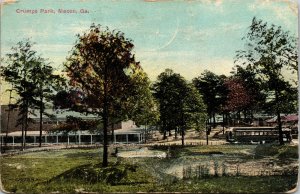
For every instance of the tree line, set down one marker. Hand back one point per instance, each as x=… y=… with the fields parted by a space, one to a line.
x=104 y=79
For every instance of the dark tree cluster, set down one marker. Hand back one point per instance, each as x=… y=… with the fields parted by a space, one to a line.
x=180 y=104
x=33 y=80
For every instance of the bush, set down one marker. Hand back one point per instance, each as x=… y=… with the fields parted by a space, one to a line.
x=280 y=151
x=288 y=152
x=263 y=150
x=96 y=173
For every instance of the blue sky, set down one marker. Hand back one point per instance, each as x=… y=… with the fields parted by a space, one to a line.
x=188 y=36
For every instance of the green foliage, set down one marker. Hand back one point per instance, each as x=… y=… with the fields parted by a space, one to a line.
x=142 y=106
x=272 y=52
x=180 y=104
x=254 y=85
x=91 y=174
x=98 y=67
x=33 y=80
x=74 y=124
x=288 y=152
x=211 y=87
x=18 y=72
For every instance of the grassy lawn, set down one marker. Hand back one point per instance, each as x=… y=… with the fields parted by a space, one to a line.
x=64 y=171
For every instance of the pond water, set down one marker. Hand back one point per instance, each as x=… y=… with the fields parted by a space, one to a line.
x=229 y=166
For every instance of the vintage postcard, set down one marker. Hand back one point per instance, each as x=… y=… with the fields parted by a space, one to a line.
x=196 y=96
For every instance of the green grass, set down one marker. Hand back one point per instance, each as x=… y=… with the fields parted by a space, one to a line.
x=51 y=171
x=279 y=151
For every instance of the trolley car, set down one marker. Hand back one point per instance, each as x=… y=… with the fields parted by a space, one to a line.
x=256 y=135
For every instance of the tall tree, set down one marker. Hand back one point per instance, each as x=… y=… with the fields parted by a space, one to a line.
x=18 y=72
x=254 y=86
x=180 y=104
x=270 y=52
x=143 y=106
x=167 y=92
x=211 y=86
x=46 y=84
x=193 y=110
x=238 y=97
x=98 y=66
x=32 y=79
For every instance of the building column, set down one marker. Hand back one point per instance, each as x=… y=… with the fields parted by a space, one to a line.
x=139 y=135
x=56 y=139
x=115 y=138
x=34 y=139
x=68 y=140
x=127 y=138
x=91 y=139
x=45 y=138
x=13 y=137
x=79 y=139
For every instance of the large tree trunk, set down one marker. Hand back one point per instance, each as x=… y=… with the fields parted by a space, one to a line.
x=112 y=132
x=41 y=121
x=23 y=137
x=170 y=134
x=280 y=128
x=146 y=133
x=182 y=136
x=164 y=129
x=214 y=120
x=26 y=126
x=105 y=121
x=8 y=119
x=223 y=122
x=206 y=133
x=279 y=119
x=7 y=127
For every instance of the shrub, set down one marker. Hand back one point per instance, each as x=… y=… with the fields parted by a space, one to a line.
x=263 y=150
x=288 y=152
x=96 y=173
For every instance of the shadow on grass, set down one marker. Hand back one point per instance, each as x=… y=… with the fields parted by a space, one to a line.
x=95 y=173
x=83 y=154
